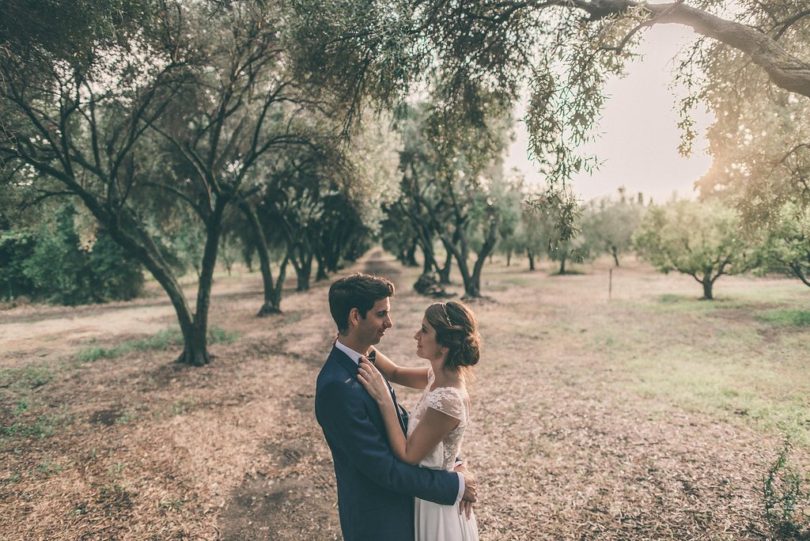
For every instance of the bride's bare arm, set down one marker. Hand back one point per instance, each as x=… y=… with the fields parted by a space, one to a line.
x=432 y=428
x=416 y=378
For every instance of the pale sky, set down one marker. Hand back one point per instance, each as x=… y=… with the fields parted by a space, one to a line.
x=638 y=146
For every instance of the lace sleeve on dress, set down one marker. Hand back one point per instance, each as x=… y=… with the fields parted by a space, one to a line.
x=448 y=401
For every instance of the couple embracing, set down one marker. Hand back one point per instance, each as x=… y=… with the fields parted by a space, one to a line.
x=398 y=479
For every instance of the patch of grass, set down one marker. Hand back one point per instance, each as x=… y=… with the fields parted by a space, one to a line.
x=786 y=498
x=165 y=339
x=79 y=509
x=787 y=318
x=30 y=377
x=181 y=407
x=520 y=280
x=218 y=335
x=568 y=272
x=669 y=303
x=94 y=353
x=174 y=504
x=732 y=387
x=15 y=477
x=21 y=406
x=710 y=357
x=126 y=418
x=114 y=498
x=47 y=469
x=42 y=427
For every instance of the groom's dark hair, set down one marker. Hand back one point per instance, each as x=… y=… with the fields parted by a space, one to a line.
x=359 y=291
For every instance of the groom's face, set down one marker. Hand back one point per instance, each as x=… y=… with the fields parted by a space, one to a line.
x=371 y=329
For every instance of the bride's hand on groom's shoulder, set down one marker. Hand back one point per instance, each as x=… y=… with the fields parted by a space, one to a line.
x=371 y=379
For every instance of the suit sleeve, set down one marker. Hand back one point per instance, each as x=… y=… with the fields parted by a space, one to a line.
x=345 y=419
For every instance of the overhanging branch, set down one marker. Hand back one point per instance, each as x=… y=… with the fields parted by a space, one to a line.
x=784 y=69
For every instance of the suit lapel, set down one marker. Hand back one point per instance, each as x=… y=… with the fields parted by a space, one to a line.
x=351 y=368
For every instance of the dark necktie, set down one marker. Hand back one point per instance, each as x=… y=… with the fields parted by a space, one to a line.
x=402 y=415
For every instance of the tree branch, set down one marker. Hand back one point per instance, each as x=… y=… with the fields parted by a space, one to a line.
x=784 y=69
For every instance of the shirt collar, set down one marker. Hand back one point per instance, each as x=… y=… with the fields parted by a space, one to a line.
x=352 y=354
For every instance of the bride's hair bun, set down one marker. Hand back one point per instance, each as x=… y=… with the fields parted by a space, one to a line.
x=457 y=330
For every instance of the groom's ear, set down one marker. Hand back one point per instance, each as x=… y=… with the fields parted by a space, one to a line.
x=354 y=317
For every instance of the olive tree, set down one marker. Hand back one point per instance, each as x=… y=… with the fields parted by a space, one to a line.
x=608 y=224
x=160 y=115
x=702 y=240
x=785 y=243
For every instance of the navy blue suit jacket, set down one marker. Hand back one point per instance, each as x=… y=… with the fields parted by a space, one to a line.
x=375 y=490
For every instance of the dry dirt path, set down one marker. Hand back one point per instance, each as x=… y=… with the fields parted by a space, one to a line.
x=561 y=451
x=142 y=448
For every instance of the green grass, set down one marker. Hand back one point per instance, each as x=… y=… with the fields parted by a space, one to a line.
x=180 y=407
x=165 y=339
x=174 y=504
x=41 y=427
x=752 y=393
x=787 y=318
x=669 y=303
x=740 y=359
x=47 y=469
x=29 y=377
x=14 y=477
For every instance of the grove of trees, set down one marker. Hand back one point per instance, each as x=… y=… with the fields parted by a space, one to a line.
x=165 y=137
x=172 y=118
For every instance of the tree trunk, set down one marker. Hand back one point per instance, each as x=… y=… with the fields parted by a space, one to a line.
x=195 y=353
x=143 y=249
x=320 y=273
x=272 y=298
x=444 y=272
x=508 y=258
x=410 y=256
x=428 y=262
x=195 y=346
x=615 y=253
x=274 y=304
x=470 y=290
x=247 y=257
x=302 y=279
x=530 y=255
x=461 y=255
x=486 y=252
x=562 y=263
x=425 y=242
x=798 y=272
x=707 y=287
x=303 y=269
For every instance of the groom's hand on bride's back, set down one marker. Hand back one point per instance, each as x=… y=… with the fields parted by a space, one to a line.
x=470 y=485
x=470 y=491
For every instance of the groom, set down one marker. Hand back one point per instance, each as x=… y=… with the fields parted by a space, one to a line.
x=375 y=490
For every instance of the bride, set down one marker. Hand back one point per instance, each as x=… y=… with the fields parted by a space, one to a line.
x=448 y=338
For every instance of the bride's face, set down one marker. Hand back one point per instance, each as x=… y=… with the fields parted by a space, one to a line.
x=426 y=345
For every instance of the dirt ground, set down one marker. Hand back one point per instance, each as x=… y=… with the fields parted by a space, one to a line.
x=563 y=444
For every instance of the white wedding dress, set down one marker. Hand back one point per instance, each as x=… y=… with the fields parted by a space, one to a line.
x=436 y=522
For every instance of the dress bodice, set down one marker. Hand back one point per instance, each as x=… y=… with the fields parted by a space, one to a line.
x=453 y=402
